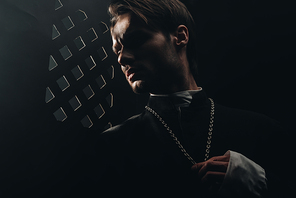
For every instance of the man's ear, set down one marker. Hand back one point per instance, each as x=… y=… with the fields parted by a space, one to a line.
x=181 y=36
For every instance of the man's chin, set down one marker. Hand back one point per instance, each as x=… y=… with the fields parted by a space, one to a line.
x=139 y=87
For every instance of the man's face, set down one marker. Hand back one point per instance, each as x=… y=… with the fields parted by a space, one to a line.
x=147 y=58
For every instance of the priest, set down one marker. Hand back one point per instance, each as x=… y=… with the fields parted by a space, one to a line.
x=183 y=144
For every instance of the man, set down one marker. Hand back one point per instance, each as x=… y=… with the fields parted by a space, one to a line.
x=183 y=144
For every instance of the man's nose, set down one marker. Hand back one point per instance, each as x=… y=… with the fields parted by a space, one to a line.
x=125 y=57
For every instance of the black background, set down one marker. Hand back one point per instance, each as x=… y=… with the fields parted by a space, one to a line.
x=246 y=52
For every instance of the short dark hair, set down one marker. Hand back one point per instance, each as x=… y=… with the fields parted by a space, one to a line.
x=163 y=15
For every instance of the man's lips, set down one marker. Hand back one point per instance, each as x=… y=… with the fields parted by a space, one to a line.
x=131 y=73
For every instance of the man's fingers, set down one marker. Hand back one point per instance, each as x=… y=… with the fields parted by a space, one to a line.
x=212 y=171
x=223 y=158
x=203 y=167
x=198 y=166
x=217 y=166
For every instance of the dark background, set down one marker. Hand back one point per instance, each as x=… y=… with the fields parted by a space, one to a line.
x=246 y=60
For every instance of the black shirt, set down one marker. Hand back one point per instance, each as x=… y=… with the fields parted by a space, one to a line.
x=139 y=158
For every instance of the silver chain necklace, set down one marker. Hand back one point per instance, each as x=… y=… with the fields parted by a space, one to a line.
x=209 y=140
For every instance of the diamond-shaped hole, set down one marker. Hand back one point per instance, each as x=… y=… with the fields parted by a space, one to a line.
x=99 y=111
x=101 y=81
x=75 y=103
x=111 y=71
x=102 y=53
x=90 y=62
x=63 y=83
x=79 y=43
x=68 y=23
x=58 y=5
x=81 y=15
x=104 y=27
x=86 y=122
x=77 y=72
x=88 y=92
x=65 y=52
x=92 y=35
x=60 y=115
x=110 y=100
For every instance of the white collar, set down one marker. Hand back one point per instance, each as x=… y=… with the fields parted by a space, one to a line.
x=181 y=98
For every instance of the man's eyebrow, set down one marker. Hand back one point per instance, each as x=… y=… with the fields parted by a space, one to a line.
x=130 y=34
x=133 y=33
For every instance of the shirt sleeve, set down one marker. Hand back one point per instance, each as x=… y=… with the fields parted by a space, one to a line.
x=244 y=178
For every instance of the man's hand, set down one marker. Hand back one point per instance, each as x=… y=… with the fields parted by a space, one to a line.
x=212 y=171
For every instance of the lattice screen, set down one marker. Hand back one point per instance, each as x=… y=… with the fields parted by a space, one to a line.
x=79 y=64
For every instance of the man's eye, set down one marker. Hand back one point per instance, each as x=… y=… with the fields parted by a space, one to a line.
x=136 y=41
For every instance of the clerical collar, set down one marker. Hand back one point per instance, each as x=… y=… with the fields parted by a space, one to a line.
x=180 y=99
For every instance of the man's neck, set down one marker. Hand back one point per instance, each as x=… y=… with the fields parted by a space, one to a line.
x=189 y=84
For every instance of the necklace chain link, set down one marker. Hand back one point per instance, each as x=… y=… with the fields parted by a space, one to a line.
x=172 y=134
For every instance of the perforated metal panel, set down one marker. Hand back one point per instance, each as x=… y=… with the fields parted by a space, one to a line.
x=79 y=62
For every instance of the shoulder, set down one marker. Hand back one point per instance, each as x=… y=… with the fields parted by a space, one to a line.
x=122 y=129
x=252 y=134
x=244 y=124
x=114 y=139
x=244 y=118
